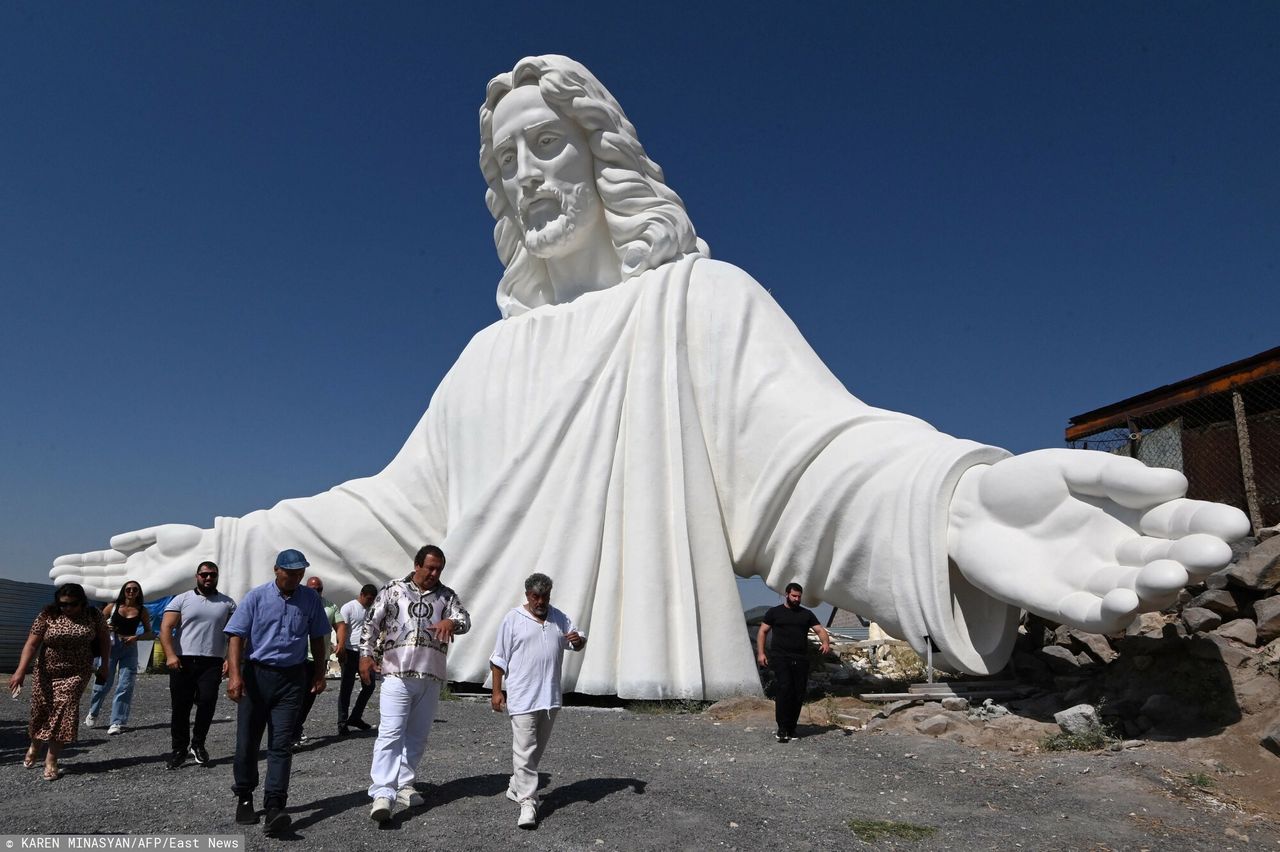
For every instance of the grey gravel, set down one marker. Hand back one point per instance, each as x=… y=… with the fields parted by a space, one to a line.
x=621 y=780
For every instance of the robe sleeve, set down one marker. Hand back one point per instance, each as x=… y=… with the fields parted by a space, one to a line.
x=817 y=487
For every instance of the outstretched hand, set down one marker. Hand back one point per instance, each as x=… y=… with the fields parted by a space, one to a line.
x=161 y=558
x=1085 y=538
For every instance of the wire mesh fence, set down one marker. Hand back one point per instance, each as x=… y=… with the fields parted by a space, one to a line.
x=1226 y=443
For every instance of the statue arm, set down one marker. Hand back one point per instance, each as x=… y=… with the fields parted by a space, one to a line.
x=357 y=532
x=930 y=535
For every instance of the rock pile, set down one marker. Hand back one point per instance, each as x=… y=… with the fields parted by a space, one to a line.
x=1209 y=660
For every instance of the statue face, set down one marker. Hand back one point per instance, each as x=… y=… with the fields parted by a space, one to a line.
x=548 y=174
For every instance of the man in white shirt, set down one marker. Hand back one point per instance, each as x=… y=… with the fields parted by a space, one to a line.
x=527 y=659
x=354 y=613
x=407 y=635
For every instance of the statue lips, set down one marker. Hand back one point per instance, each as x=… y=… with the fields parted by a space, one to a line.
x=540 y=208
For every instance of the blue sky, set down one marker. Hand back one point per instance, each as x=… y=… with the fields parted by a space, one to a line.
x=240 y=243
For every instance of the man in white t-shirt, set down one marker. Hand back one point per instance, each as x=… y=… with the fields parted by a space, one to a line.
x=354 y=613
x=526 y=658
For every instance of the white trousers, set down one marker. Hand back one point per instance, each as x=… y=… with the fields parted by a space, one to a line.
x=530 y=733
x=406 y=707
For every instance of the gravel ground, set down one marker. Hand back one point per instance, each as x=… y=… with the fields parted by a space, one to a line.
x=616 y=779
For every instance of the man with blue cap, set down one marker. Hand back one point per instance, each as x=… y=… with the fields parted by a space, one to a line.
x=267 y=676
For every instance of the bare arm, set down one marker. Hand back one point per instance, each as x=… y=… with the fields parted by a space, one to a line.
x=343 y=632
x=168 y=624
x=146 y=627
x=497 y=700
x=824 y=636
x=24 y=662
x=235 y=649
x=761 y=657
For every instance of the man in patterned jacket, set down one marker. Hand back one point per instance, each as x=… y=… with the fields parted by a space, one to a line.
x=410 y=625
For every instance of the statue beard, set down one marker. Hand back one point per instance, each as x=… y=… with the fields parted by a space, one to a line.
x=559 y=236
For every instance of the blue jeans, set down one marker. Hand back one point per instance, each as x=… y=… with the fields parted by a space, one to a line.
x=271 y=701
x=125 y=659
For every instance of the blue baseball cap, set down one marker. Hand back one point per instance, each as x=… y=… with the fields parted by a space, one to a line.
x=291 y=560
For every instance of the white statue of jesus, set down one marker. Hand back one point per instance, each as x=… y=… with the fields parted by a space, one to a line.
x=643 y=423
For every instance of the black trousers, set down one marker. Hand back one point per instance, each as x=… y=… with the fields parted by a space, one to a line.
x=308 y=700
x=350 y=672
x=271 y=700
x=196 y=683
x=790 y=684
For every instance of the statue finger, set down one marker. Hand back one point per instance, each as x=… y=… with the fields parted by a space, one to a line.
x=1138 y=550
x=1112 y=577
x=1159 y=579
x=1182 y=517
x=135 y=540
x=1202 y=554
x=1125 y=481
x=97 y=559
x=1099 y=614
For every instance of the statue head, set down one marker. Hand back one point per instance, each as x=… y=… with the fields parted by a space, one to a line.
x=647 y=222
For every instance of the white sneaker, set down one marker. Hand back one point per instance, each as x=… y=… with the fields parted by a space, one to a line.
x=407 y=797
x=116 y=728
x=381 y=811
x=528 y=814
x=91 y=721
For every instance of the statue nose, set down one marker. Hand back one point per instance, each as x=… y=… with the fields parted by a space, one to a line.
x=528 y=170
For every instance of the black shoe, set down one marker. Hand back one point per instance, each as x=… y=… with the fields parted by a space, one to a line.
x=359 y=724
x=245 y=813
x=175 y=760
x=277 y=821
x=343 y=730
x=198 y=752
x=782 y=736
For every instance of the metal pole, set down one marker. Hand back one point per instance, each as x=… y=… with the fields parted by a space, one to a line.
x=1246 y=462
x=928 y=660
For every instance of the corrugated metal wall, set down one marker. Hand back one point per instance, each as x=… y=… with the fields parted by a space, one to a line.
x=19 y=605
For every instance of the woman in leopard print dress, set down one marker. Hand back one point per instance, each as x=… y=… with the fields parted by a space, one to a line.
x=64 y=639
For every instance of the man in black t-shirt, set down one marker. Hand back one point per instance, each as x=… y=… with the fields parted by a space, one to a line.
x=790 y=624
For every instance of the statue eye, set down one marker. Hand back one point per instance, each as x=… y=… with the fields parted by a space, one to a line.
x=546 y=140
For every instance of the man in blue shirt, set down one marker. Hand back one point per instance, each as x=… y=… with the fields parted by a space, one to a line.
x=267 y=675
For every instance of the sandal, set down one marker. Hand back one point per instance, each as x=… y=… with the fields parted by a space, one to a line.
x=32 y=758
x=52 y=773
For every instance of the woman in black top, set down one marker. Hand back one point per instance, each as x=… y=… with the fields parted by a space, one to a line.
x=123 y=617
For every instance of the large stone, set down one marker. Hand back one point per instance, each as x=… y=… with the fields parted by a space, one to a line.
x=955 y=703
x=1259 y=569
x=1220 y=580
x=1216 y=648
x=1200 y=620
x=1219 y=600
x=1257 y=692
x=1164 y=709
x=1271 y=739
x=1146 y=624
x=1059 y=659
x=934 y=725
x=1266 y=613
x=1242 y=630
x=1080 y=719
x=1096 y=645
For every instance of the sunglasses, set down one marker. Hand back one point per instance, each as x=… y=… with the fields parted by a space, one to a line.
x=68 y=604
x=206 y=575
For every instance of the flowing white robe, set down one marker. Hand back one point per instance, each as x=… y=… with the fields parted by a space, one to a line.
x=640 y=445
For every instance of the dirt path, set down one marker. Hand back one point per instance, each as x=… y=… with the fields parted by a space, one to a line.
x=640 y=781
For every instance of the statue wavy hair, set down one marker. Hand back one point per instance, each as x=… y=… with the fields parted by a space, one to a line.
x=647 y=220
